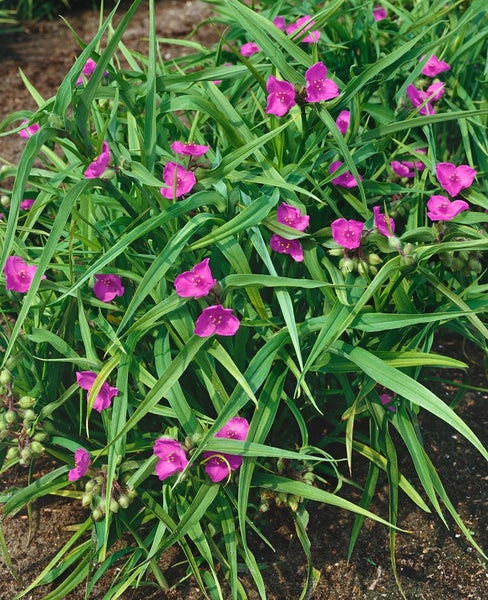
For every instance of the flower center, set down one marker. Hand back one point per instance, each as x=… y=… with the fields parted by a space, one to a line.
x=215 y=320
x=171 y=457
x=196 y=280
x=318 y=84
x=22 y=274
x=454 y=176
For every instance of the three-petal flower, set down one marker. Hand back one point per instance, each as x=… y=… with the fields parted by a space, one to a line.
x=454 y=179
x=195 y=283
x=318 y=86
x=106 y=287
x=179 y=181
x=18 y=274
x=281 y=96
x=82 y=463
x=347 y=233
x=440 y=208
x=217 y=465
x=86 y=379
x=100 y=163
x=171 y=455
x=216 y=319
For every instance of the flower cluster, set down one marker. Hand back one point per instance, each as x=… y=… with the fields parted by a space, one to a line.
x=292 y=217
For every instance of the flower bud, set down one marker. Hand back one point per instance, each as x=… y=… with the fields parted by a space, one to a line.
x=5 y=377
x=336 y=251
x=346 y=265
x=5 y=201
x=4 y=434
x=97 y=514
x=37 y=448
x=374 y=259
x=13 y=453
x=132 y=493
x=40 y=436
x=86 y=500
x=26 y=454
x=10 y=416
x=55 y=121
x=124 y=501
x=90 y=485
x=394 y=242
x=475 y=265
x=30 y=415
x=26 y=402
x=362 y=267
x=114 y=505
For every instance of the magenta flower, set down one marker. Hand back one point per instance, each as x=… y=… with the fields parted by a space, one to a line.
x=18 y=274
x=106 y=287
x=82 y=462
x=317 y=85
x=216 y=319
x=87 y=71
x=178 y=179
x=406 y=168
x=435 y=91
x=379 y=13
x=440 y=208
x=419 y=98
x=280 y=22
x=30 y=130
x=387 y=400
x=454 y=179
x=218 y=465
x=312 y=37
x=98 y=166
x=384 y=224
x=347 y=179
x=249 y=49
x=195 y=283
x=172 y=457
x=284 y=246
x=434 y=66
x=343 y=121
x=347 y=233
x=281 y=96
x=27 y=204
x=291 y=216
x=189 y=148
x=86 y=379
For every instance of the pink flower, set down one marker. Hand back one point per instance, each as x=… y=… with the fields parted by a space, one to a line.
x=189 y=148
x=284 y=246
x=386 y=400
x=29 y=130
x=82 y=462
x=346 y=180
x=249 y=49
x=98 y=166
x=86 y=379
x=18 y=274
x=195 y=283
x=434 y=66
x=385 y=225
x=172 y=457
x=280 y=22
x=312 y=38
x=317 y=85
x=440 y=208
x=216 y=319
x=26 y=204
x=291 y=216
x=454 y=179
x=347 y=233
x=106 y=287
x=420 y=98
x=281 y=96
x=379 y=13
x=178 y=179
x=343 y=121
x=87 y=71
x=435 y=91
x=406 y=168
x=218 y=465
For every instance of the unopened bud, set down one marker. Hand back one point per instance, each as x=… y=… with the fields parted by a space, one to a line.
x=475 y=265
x=124 y=501
x=346 y=265
x=10 y=416
x=374 y=259
x=336 y=251
x=37 y=448
x=40 y=436
x=55 y=121
x=26 y=402
x=97 y=514
x=26 y=454
x=114 y=505
x=5 y=377
x=12 y=453
x=394 y=242
x=408 y=249
x=5 y=201
x=86 y=500
x=30 y=415
x=362 y=267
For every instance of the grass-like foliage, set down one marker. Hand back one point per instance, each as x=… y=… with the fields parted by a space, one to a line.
x=282 y=270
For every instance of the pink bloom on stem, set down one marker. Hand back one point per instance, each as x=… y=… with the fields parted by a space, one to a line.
x=218 y=465
x=249 y=49
x=379 y=13
x=384 y=224
x=440 y=208
x=100 y=163
x=86 y=379
x=291 y=216
x=281 y=96
x=189 y=148
x=386 y=400
x=435 y=91
x=106 y=287
x=454 y=179
x=318 y=86
x=280 y=22
x=401 y=169
x=420 y=98
x=195 y=283
x=284 y=246
x=347 y=179
x=343 y=120
x=216 y=319
x=313 y=37
x=347 y=233
x=30 y=130
x=82 y=462
x=434 y=66
x=172 y=457
x=178 y=179
x=18 y=274
x=27 y=204
x=87 y=71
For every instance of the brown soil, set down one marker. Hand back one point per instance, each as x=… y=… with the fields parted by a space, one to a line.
x=434 y=563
